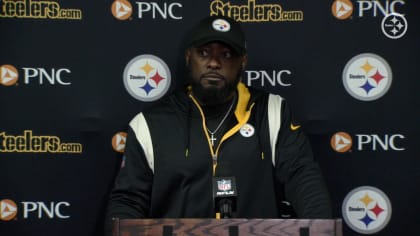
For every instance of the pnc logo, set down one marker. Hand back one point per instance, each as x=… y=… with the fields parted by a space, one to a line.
x=272 y=78
x=342 y=9
x=341 y=142
x=121 y=9
x=118 y=141
x=147 y=78
x=8 y=75
x=8 y=210
x=33 y=209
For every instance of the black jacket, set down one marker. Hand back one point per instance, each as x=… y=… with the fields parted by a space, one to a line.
x=168 y=162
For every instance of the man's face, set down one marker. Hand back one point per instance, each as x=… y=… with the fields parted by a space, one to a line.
x=214 y=72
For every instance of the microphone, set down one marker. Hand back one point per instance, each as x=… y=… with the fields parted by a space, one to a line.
x=224 y=191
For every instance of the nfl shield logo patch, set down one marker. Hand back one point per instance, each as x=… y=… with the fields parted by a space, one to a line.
x=224 y=185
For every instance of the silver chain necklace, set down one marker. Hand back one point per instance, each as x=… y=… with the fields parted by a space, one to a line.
x=212 y=138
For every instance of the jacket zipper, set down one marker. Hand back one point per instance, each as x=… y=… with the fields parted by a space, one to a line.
x=232 y=131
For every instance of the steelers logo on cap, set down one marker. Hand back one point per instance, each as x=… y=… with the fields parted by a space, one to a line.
x=221 y=25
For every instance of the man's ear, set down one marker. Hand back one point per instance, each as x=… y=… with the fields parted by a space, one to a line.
x=244 y=61
x=187 y=57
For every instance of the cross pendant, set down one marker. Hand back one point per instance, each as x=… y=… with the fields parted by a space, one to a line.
x=212 y=139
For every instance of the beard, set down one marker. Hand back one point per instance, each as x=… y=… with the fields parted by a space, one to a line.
x=213 y=95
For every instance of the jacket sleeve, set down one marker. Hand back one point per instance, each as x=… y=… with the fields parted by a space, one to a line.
x=130 y=196
x=297 y=171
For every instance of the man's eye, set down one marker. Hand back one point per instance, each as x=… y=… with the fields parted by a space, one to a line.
x=203 y=53
x=227 y=55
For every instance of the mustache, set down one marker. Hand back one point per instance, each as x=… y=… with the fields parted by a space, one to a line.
x=212 y=74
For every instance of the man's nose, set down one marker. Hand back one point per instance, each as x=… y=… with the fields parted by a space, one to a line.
x=214 y=62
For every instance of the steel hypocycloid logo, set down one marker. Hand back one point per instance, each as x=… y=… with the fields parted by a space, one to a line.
x=367 y=77
x=147 y=78
x=366 y=210
x=394 y=25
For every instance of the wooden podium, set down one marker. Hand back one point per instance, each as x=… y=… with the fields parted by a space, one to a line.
x=226 y=227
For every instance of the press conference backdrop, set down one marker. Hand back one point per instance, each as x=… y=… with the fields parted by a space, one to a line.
x=73 y=74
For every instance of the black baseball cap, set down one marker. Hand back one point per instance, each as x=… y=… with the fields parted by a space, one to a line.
x=218 y=28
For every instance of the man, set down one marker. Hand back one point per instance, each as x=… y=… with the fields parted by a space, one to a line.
x=174 y=149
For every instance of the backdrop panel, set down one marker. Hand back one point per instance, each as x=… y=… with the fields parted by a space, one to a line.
x=349 y=69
